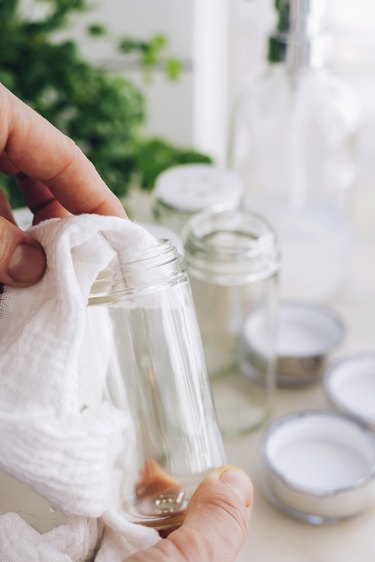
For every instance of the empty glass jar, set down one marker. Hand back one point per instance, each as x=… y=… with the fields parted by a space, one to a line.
x=143 y=341
x=232 y=259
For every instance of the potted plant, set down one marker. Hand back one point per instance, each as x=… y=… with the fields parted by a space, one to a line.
x=102 y=112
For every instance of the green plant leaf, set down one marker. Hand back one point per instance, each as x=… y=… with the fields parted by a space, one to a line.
x=96 y=30
x=173 y=68
x=102 y=112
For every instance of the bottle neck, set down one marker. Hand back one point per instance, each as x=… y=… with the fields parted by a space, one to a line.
x=300 y=39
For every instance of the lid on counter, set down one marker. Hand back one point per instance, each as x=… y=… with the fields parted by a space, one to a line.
x=306 y=334
x=196 y=187
x=320 y=466
x=350 y=385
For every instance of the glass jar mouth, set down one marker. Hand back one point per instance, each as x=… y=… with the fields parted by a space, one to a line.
x=131 y=271
x=230 y=247
x=160 y=252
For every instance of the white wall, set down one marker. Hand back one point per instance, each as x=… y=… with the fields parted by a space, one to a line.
x=169 y=103
x=221 y=44
x=352 y=27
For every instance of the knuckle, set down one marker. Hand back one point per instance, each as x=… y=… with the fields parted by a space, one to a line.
x=73 y=151
x=232 y=513
x=3 y=228
x=167 y=549
x=73 y=155
x=72 y=146
x=192 y=546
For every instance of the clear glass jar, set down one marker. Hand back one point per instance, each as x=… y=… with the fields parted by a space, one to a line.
x=143 y=341
x=184 y=190
x=233 y=260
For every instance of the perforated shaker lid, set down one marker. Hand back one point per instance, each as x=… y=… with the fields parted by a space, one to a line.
x=196 y=187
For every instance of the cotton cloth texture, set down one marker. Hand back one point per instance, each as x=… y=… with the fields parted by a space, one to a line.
x=46 y=441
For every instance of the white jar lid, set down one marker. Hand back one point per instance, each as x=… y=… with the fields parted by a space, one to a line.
x=306 y=334
x=195 y=187
x=320 y=466
x=350 y=385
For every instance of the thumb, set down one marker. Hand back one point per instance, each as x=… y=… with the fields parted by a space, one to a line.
x=22 y=260
x=216 y=522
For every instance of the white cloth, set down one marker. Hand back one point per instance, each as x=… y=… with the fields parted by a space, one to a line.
x=45 y=440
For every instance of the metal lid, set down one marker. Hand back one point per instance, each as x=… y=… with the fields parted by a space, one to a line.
x=300 y=37
x=305 y=335
x=197 y=187
x=350 y=385
x=320 y=466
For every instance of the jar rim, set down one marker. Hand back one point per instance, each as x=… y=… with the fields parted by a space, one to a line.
x=128 y=257
x=131 y=272
x=230 y=247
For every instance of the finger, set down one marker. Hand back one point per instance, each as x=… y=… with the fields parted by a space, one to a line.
x=5 y=209
x=40 y=200
x=22 y=260
x=7 y=167
x=34 y=146
x=216 y=523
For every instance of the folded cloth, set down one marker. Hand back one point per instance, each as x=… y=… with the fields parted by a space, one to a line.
x=45 y=440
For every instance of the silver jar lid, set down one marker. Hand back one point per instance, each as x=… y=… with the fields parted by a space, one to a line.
x=306 y=334
x=191 y=188
x=319 y=466
x=350 y=385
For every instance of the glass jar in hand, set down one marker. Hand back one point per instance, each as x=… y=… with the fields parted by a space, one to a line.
x=144 y=342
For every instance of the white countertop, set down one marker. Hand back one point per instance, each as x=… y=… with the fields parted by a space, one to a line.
x=275 y=537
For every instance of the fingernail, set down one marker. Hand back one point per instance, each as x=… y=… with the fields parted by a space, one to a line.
x=27 y=263
x=240 y=483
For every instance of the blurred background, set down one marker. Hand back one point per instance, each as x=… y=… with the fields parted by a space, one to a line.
x=212 y=46
x=143 y=85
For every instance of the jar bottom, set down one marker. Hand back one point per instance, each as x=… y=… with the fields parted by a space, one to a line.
x=165 y=510
x=242 y=405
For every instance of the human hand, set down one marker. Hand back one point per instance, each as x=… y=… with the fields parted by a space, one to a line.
x=55 y=178
x=215 y=525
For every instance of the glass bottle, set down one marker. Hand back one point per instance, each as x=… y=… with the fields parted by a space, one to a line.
x=232 y=259
x=143 y=343
x=293 y=144
x=184 y=190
